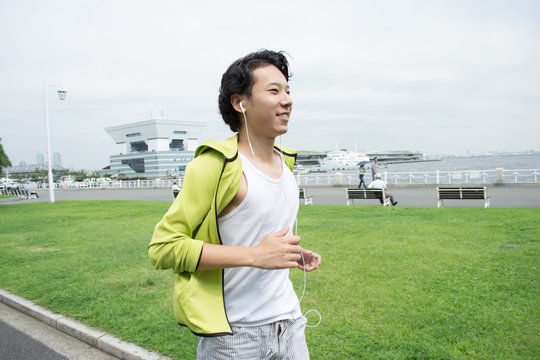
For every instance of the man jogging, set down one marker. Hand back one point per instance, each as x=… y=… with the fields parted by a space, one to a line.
x=228 y=235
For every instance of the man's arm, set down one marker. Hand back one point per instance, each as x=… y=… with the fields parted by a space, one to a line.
x=276 y=251
x=172 y=245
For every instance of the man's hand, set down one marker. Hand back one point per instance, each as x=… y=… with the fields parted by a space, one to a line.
x=275 y=251
x=310 y=262
x=278 y=251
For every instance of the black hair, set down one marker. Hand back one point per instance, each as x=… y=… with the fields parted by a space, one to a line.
x=238 y=79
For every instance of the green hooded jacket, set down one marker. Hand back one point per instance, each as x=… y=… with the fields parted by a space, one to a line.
x=211 y=181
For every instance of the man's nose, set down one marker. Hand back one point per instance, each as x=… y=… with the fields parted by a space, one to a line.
x=286 y=100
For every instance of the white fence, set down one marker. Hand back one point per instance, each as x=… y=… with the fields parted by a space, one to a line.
x=114 y=184
x=519 y=176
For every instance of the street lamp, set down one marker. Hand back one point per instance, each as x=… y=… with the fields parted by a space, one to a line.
x=61 y=95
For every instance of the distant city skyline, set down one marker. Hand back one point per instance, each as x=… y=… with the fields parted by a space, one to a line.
x=428 y=156
x=41 y=160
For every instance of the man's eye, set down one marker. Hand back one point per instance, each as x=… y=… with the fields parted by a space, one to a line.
x=274 y=90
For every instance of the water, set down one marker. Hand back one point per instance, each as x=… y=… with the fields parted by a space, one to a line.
x=509 y=162
x=450 y=171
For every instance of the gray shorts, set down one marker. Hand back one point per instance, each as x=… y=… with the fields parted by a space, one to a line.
x=283 y=339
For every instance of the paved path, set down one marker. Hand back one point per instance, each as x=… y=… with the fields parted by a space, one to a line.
x=23 y=338
x=31 y=332
x=523 y=196
x=507 y=196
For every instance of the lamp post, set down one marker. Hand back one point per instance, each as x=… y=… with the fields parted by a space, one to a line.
x=61 y=95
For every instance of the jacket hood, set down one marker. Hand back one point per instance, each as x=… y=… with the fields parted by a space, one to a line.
x=229 y=148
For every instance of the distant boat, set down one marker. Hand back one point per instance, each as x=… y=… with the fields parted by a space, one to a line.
x=300 y=169
x=396 y=156
x=340 y=160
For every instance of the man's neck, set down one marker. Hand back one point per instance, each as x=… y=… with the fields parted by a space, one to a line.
x=261 y=147
x=264 y=157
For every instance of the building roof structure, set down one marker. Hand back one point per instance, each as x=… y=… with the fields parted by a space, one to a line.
x=154 y=148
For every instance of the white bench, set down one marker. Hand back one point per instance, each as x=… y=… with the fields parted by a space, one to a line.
x=462 y=193
x=307 y=198
x=362 y=194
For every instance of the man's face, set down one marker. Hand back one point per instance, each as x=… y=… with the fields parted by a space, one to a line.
x=270 y=105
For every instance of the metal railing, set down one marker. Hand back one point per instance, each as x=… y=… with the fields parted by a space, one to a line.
x=518 y=176
x=114 y=184
x=499 y=176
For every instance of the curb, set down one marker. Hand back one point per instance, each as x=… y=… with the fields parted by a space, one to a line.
x=101 y=340
x=11 y=200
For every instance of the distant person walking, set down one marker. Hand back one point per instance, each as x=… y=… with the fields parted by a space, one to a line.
x=374 y=168
x=380 y=184
x=361 y=174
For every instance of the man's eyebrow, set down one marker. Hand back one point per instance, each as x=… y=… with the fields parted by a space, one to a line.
x=277 y=83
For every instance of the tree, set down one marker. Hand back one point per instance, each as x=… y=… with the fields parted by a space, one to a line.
x=4 y=160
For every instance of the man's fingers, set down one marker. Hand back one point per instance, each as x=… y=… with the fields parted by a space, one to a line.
x=311 y=261
x=292 y=264
x=294 y=240
x=283 y=232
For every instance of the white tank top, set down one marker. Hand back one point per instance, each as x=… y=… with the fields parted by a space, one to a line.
x=255 y=296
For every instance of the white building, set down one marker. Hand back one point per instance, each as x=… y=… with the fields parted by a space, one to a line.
x=40 y=159
x=154 y=148
x=57 y=160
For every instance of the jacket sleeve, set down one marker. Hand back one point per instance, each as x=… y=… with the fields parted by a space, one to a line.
x=173 y=245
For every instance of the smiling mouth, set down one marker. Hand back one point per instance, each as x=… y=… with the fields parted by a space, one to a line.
x=284 y=116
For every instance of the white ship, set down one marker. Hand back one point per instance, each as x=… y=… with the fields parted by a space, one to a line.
x=391 y=157
x=338 y=160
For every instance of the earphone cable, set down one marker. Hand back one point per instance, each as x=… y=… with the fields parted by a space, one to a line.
x=305 y=284
x=247 y=130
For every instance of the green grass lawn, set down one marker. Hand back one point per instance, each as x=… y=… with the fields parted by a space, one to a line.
x=395 y=283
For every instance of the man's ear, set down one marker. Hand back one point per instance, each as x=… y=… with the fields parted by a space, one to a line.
x=236 y=99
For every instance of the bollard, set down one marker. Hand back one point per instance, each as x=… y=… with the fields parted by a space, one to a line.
x=499 y=173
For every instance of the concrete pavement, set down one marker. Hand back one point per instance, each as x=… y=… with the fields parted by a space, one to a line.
x=507 y=196
x=32 y=332
x=24 y=337
x=502 y=196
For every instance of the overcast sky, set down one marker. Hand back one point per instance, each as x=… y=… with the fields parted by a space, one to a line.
x=430 y=76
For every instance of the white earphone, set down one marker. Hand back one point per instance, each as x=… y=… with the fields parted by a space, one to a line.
x=247 y=130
